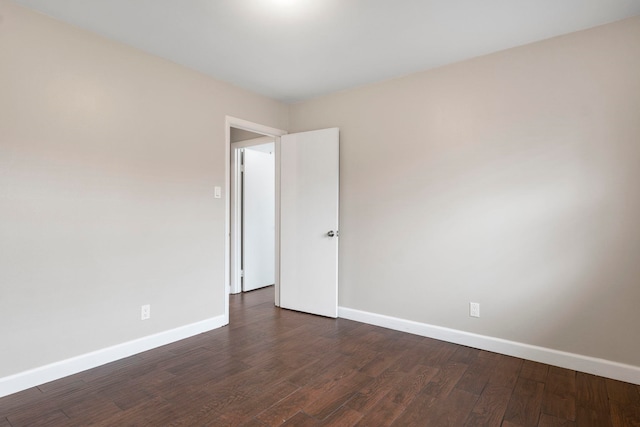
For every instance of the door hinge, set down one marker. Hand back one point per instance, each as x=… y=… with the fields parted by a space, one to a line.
x=241 y=273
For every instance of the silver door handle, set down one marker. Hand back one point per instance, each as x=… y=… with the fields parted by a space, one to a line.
x=332 y=233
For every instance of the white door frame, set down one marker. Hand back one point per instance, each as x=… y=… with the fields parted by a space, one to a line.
x=232 y=261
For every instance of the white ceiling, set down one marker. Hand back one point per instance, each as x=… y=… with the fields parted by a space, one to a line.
x=292 y=50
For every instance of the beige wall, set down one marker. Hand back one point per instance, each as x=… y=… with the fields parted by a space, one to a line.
x=108 y=159
x=510 y=180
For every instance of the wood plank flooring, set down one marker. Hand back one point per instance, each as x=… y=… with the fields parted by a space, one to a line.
x=274 y=367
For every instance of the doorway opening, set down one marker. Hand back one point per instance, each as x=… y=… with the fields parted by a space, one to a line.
x=253 y=181
x=306 y=216
x=252 y=248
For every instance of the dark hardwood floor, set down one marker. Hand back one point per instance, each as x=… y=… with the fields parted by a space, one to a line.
x=275 y=367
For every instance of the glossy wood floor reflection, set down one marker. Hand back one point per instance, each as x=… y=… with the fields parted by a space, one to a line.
x=275 y=367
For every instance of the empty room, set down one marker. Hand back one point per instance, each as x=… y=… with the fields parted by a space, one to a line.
x=319 y=213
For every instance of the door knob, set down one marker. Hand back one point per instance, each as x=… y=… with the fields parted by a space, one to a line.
x=332 y=233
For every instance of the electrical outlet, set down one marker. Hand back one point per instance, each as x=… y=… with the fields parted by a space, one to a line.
x=474 y=309
x=145 y=312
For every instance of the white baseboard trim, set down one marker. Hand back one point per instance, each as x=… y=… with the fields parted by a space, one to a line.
x=33 y=377
x=577 y=362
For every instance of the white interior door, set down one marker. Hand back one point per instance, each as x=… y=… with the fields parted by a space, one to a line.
x=258 y=218
x=309 y=172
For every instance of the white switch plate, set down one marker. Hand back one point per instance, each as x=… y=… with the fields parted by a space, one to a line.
x=474 y=309
x=217 y=191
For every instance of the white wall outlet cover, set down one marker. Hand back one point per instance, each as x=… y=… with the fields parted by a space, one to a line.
x=145 y=312
x=217 y=191
x=474 y=309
